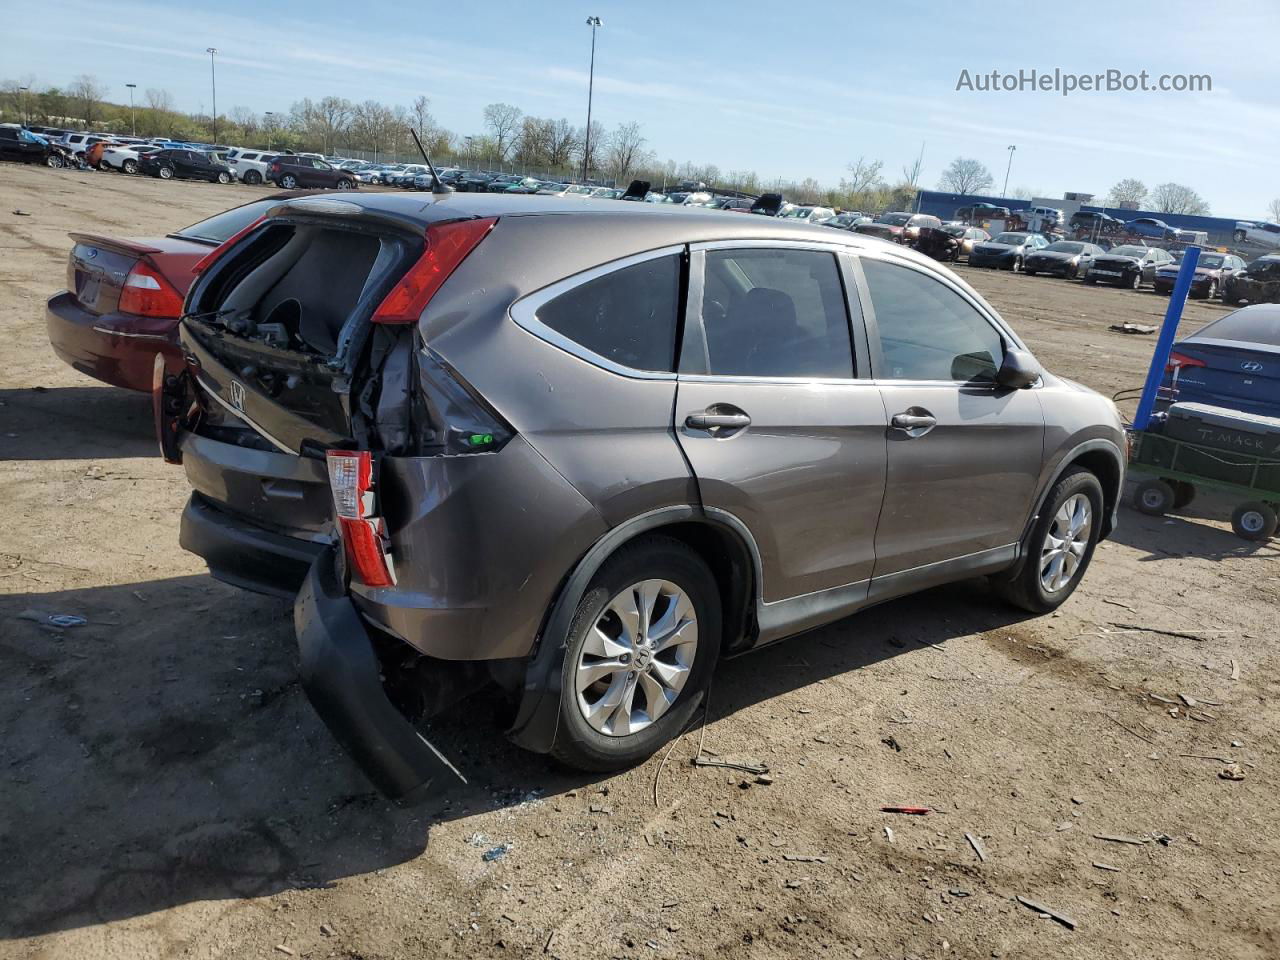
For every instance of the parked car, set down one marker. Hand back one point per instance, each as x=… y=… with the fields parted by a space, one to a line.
x=1093 y=220
x=526 y=185
x=1259 y=282
x=405 y=176
x=1006 y=251
x=250 y=166
x=124 y=295
x=1212 y=272
x=767 y=204
x=807 y=214
x=1150 y=227
x=291 y=172
x=1127 y=266
x=1231 y=362
x=183 y=164
x=1265 y=233
x=124 y=156
x=950 y=241
x=78 y=143
x=846 y=221
x=547 y=498
x=1062 y=258
x=900 y=227
x=22 y=146
x=981 y=213
x=738 y=205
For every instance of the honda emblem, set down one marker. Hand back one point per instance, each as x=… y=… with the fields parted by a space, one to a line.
x=236 y=389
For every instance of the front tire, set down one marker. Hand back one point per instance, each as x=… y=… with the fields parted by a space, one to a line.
x=346 y=184
x=129 y=166
x=253 y=178
x=1136 y=282
x=639 y=656
x=54 y=162
x=224 y=177
x=165 y=173
x=1060 y=546
x=289 y=182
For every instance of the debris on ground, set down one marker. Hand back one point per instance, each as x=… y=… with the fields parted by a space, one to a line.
x=1135 y=841
x=1127 y=327
x=892 y=744
x=1106 y=866
x=1232 y=771
x=496 y=853
x=914 y=811
x=1040 y=908
x=977 y=846
x=53 y=619
x=744 y=765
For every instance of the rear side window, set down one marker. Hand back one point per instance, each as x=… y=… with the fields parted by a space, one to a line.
x=775 y=313
x=627 y=316
x=928 y=331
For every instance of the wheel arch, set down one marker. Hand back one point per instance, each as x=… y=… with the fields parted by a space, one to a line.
x=718 y=539
x=1101 y=458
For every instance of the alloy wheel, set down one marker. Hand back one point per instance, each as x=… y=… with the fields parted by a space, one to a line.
x=1065 y=543
x=636 y=658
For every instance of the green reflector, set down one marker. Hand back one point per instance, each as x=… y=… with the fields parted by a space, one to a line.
x=480 y=439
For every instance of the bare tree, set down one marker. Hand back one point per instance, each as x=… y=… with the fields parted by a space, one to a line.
x=159 y=100
x=1178 y=198
x=503 y=123
x=562 y=142
x=965 y=175
x=911 y=171
x=86 y=93
x=595 y=144
x=1130 y=190
x=422 y=119
x=625 y=150
x=864 y=175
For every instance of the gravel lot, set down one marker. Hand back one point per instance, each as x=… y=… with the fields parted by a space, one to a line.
x=165 y=789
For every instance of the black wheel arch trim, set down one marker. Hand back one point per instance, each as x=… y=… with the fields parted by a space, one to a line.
x=538 y=714
x=1069 y=459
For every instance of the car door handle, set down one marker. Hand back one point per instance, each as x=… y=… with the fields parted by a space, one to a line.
x=913 y=421
x=711 y=421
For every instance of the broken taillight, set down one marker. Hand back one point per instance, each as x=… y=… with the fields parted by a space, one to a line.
x=363 y=533
x=448 y=244
x=146 y=293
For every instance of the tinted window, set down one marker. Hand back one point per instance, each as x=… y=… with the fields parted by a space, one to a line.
x=1065 y=246
x=1012 y=239
x=1247 y=326
x=928 y=331
x=775 y=313
x=628 y=316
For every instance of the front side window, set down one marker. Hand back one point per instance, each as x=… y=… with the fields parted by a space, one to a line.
x=928 y=331
x=775 y=313
x=627 y=316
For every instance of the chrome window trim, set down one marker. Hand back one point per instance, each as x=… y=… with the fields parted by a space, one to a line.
x=826 y=246
x=525 y=313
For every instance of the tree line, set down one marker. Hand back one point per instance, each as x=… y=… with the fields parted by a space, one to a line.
x=508 y=137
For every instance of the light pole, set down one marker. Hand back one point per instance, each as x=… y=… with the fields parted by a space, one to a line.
x=594 y=23
x=270 y=126
x=471 y=160
x=133 y=116
x=213 y=81
x=22 y=104
x=1009 y=167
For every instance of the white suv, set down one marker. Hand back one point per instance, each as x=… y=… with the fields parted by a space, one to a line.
x=1266 y=234
x=125 y=156
x=249 y=166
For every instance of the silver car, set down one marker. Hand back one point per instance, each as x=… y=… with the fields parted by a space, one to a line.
x=593 y=449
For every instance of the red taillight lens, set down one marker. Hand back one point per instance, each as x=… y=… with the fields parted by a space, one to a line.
x=147 y=293
x=448 y=244
x=1180 y=361
x=351 y=483
x=212 y=257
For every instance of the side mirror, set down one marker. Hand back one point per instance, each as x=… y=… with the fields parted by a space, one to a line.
x=1019 y=369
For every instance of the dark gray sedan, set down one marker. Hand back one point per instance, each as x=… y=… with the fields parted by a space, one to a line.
x=1064 y=258
x=588 y=450
x=1006 y=251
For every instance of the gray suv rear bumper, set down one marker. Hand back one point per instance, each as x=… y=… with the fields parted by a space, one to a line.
x=342 y=679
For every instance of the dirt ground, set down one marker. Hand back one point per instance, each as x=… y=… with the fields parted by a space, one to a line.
x=166 y=790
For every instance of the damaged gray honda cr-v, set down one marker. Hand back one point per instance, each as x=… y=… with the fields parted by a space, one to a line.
x=596 y=447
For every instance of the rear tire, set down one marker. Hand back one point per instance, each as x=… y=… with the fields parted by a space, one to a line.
x=1154 y=497
x=1060 y=546
x=289 y=182
x=253 y=178
x=345 y=184
x=1254 y=521
x=165 y=173
x=1184 y=494
x=595 y=744
x=224 y=177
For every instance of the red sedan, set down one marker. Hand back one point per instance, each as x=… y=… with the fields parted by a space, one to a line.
x=124 y=296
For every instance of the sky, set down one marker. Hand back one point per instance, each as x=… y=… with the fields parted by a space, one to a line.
x=792 y=91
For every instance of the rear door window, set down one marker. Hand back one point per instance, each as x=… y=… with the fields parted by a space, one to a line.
x=927 y=331
x=775 y=313
x=627 y=316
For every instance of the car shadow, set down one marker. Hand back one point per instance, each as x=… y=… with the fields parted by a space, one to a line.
x=74 y=423
x=163 y=752
x=1188 y=533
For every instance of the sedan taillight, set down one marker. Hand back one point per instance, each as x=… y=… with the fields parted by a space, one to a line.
x=146 y=293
